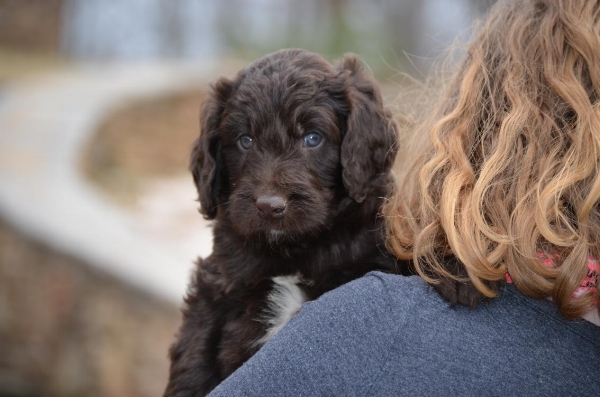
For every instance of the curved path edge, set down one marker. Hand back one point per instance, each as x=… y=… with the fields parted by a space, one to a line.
x=44 y=124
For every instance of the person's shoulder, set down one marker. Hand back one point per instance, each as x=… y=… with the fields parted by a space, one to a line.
x=391 y=288
x=394 y=283
x=381 y=294
x=367 y=291
x=369 y=298
x=384 y=284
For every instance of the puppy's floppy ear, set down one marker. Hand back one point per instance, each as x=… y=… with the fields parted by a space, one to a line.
x=369 y=143
x=205 y=159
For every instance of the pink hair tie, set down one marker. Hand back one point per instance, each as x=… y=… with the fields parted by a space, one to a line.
x=589 y=285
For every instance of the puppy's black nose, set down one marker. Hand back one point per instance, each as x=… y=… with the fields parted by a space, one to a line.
x=271 y=206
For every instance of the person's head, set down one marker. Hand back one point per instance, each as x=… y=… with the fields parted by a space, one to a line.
x=508 y=164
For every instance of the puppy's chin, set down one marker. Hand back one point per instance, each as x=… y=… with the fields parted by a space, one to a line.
x=280 y=232
x=275 y=236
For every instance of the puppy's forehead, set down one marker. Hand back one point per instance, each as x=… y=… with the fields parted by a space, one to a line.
x=289 y=61
x=284 y=74
x=284 y=80
x=285 y=88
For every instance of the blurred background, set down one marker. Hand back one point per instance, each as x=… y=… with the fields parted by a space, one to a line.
x=99 y=105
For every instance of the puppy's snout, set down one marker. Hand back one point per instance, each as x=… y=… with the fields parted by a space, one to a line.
x=271 y=206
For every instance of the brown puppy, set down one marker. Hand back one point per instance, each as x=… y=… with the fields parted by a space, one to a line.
x=292 y=162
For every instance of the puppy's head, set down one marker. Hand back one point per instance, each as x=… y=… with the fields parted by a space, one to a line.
x=286 y=140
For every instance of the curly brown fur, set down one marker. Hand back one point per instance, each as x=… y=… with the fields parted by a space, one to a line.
x=282 y=204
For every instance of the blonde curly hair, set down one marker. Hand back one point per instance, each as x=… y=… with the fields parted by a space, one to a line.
x=507 y=165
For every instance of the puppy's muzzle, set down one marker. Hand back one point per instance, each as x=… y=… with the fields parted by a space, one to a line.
x=271 y=207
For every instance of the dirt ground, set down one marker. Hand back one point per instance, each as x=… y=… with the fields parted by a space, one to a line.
x=141 y=143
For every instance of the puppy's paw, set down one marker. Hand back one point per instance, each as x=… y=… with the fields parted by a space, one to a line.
x=459 y=293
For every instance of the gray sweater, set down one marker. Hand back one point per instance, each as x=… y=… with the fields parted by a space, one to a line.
x=386 y=335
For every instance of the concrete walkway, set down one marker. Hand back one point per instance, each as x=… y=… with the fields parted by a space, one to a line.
x=44 y=123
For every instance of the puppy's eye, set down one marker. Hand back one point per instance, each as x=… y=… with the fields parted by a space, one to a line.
x=245 y=142
x=312 y=139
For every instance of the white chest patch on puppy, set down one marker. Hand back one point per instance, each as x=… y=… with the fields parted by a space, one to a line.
x=284 y=302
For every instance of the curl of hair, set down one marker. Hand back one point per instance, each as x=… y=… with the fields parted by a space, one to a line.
x=508 y=162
